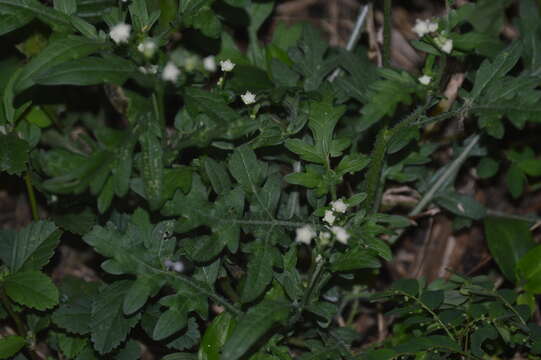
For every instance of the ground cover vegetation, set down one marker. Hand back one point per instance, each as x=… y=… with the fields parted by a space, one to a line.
x=204 y=180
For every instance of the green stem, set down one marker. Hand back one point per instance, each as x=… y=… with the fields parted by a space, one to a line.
x=31 y=195
x=373 y=176
x=387 y=23
x=22 y=330
x=434 y=315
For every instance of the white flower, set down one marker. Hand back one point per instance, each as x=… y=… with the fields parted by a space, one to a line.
x=209 y=63
x=423 y=27
x=120 y=33
x=445 y=44
x=190 y=63
x=149 y=69
x=329 y=217
x=170 y=72
x=305 y=234
x=227 y=65
x=425 y=80
x=339 y=206
x=341 y=234
x=178 y=266
x=248 y=98
x=324 y=238
x=147 y=47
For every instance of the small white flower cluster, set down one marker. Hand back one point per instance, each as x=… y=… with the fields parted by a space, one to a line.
x=306 y=233
x=425 y=27
x=227 y=65
x=149 y=69
x=170 y=72
x=147 y=47
x=120 y=33
x=445 y=44
x=425 y=80
x=248 y=98
x=338 y=206
x=209 y=63
x=177 y=266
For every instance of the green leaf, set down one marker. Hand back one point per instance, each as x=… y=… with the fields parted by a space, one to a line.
x=109 y=326
x=490 y=71
x=75 y=310
x=246 y=169
x=531 y=167
x=56 y=19
x=131 y=351
x=487 y=168
x=57 y=52
x=259 y=272
x=217 y=174
x=31 y=248
x=323 y=117
x=106 y=195
x=205 y=248
x=173 y=319
x=354 y=259
x=305 y=151
x=177 y=178
x=215 y=336
x=508 y=240
x=13 y=21
x=462 y=205
x=152 y=169
x=70 y=345
x=480 y=336
x=255 y=323
x=32 y=289
x=68 y=7
x=13 y=154
x=408 y=286
x=201 y=101
x=87 y=71
x=11 y=345
x=515 y=180
x=352 y=163
x=139 y=292
x=528 y=269
x=122 y=168
x=432 y=299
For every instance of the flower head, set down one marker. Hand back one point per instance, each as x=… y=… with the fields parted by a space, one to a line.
x=445 y=44
x=147 y=47
x=227 y=65
x=339 y=206
x=423 y=27
x=329 y=217
x=120 y=33
x=170 y=72
x=341 y=234
x=248 y=98
x=425 y=80
x=305 y=234
x=209 y=63
x=150 y=69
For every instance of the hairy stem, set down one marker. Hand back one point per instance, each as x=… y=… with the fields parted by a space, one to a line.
x=31 y=195
x=22 y=330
